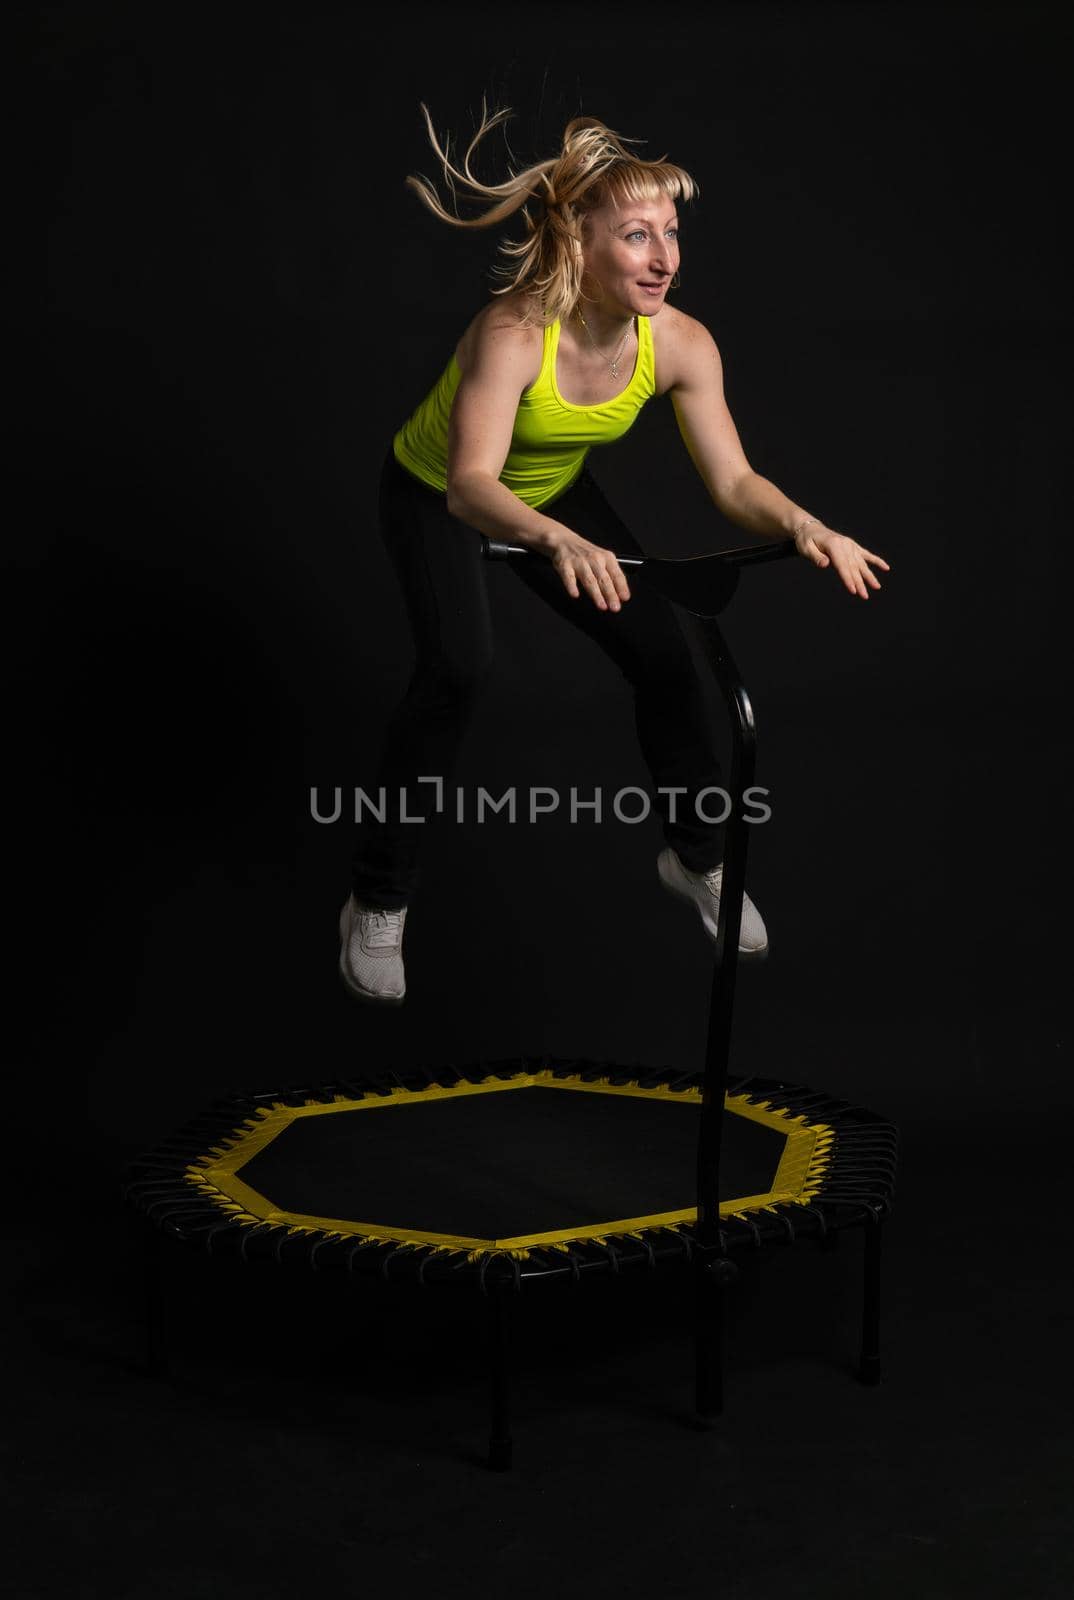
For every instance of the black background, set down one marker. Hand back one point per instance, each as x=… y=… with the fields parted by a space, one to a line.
x=233 y=300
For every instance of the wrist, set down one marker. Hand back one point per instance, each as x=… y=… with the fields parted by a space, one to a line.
x=548 y=539
x=802 y=523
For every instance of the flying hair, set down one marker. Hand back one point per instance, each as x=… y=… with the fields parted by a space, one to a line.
x=592 y=169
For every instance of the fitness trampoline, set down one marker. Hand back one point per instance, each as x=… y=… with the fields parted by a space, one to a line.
x=508 y=1173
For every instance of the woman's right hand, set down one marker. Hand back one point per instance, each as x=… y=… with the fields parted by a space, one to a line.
x=597 y=570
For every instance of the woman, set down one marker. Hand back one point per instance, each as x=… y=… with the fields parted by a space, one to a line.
x=562 y=358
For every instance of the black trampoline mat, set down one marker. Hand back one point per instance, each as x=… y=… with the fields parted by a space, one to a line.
x=505 y=1164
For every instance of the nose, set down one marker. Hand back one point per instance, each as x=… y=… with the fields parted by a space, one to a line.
x=663 y=261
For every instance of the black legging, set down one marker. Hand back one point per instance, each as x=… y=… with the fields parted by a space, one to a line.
x=442 y=572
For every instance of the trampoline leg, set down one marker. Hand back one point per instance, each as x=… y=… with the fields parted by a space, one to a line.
x=712 y=1281
x=500 y=1446
x=869 y=1369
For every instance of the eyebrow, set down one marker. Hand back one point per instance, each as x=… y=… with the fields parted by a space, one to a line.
x=643 y=222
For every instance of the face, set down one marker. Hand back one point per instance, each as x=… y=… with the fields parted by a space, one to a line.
x=631 y=253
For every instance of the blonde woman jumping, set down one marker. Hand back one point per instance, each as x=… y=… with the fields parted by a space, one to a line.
x=563 y=357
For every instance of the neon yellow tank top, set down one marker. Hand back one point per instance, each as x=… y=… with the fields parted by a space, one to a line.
x=551 y=437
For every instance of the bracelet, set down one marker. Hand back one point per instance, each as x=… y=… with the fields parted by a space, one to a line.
x=796 y=531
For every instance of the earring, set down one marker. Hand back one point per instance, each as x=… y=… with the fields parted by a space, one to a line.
x=676 y=280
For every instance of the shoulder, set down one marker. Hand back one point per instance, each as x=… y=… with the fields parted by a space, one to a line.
x=684 y=350
x=500 y=334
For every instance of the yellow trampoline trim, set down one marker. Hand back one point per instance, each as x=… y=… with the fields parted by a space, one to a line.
x=799 y=1176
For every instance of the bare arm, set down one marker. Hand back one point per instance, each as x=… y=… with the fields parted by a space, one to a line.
x=479 y=437
x=498 y=369
x=740 y=493
x=709 y=434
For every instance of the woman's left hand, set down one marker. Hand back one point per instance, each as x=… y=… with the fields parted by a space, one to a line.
x=824 y=547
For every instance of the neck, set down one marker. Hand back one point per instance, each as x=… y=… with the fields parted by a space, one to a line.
x=606 y=327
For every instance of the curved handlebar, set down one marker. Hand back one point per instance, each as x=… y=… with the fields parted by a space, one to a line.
x=745 y=556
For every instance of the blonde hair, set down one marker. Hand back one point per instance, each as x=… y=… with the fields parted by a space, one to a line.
x=592 y=169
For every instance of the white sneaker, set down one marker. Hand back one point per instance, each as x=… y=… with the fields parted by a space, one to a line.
x=703 y=888
x=371 y=952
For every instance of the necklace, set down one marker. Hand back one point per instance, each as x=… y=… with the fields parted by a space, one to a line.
x=614 y=362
